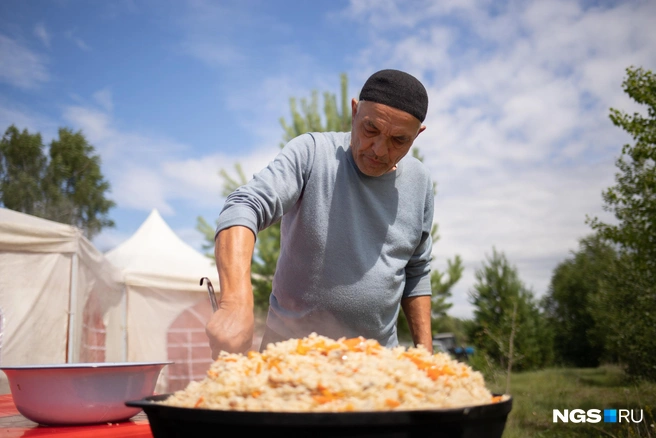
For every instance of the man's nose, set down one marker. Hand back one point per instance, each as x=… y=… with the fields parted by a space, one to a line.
x=379 y=147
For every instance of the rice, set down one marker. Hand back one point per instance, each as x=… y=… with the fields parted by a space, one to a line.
x=319 y=374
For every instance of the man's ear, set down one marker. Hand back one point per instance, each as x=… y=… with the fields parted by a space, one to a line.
x=421 y=129
x=354 y=108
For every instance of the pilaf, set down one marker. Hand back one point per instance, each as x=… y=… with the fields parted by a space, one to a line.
x=319 y=374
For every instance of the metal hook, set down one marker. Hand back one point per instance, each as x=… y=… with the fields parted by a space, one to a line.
x=210 y=291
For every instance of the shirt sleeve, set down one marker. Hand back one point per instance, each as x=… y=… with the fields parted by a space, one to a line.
x=264 y=199
x=417 y=271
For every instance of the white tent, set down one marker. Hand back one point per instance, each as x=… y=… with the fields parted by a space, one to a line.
x=167 y=306
x=61 y=300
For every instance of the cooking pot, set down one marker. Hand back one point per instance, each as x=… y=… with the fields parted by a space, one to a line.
x=484 y=421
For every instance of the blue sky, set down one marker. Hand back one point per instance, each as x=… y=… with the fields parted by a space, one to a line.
x=169 y=92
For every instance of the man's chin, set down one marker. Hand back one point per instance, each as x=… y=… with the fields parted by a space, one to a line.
x=371 y=172
x=371 y=169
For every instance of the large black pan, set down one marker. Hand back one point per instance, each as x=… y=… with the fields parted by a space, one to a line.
x=486 y=421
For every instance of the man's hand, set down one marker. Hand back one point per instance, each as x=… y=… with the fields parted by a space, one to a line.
x=231 y=327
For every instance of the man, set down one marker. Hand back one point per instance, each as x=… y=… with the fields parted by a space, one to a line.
x=355 y=231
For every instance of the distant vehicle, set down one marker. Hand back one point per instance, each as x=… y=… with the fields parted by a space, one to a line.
x=447 y=343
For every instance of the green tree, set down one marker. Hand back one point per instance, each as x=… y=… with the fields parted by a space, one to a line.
x=508 y=325
x=633 y=198
x=451 y=324
x=629 y=302
x=626 y=312
x=22 y=167
x=441 y=286
x=75 y=187
x=336 y=118
x=571 y=303
x=67 y=186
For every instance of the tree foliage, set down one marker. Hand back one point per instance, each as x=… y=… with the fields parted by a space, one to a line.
x=66 y=186
x=633 y=198
x=626 y=313
x=505 y=310
x=571 y=303
x=309 y=119
x=628 y=304
x=22 y=167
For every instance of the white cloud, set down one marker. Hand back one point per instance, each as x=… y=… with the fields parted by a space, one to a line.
x=131 y=161
x=11 y=116
x=147 y=171
x=211 y=53
x=211 y=31
x=41 y=33
x=104 y=99
x=24 y=118
x=272 y=96
x=260 y=96
x=140 y=188
x=94 y=123
x=192 y=237
x=21 y=67
x=79 y=42
x=108 y=239
x=518 y=134
x=197 y=179
x=383 y=15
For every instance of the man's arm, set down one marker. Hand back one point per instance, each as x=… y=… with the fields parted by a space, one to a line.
x=418 y=313
x=231 y=327
x=248 y=210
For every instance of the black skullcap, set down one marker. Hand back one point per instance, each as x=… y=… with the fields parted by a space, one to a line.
x=397 y=89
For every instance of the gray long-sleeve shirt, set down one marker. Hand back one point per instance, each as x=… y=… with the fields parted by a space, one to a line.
x=352 y=246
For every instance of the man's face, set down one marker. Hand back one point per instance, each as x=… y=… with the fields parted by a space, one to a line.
x=381 y=136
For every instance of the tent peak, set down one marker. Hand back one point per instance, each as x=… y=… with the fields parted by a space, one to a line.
x=156 y=248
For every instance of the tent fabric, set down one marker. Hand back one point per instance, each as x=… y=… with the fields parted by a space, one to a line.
x=48 y=274
x=157 y=308
x=156 y=257
x=64 y=301
x=22 y=232
x=162 y=279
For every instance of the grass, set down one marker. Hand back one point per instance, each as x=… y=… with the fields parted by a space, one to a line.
x=536 y=394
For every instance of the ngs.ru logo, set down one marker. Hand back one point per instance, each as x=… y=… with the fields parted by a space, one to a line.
x=594 y=415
